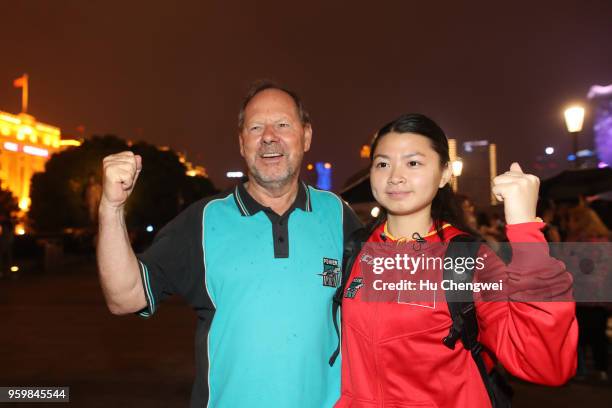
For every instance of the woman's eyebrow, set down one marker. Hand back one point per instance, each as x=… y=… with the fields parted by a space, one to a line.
x=408 y=155
x=404 y=156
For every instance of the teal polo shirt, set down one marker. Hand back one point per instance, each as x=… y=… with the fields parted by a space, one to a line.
x=261 y=285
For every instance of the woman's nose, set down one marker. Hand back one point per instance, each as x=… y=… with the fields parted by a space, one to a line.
x=396 y=178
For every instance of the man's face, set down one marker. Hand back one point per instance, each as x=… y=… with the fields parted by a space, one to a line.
x=273 y=140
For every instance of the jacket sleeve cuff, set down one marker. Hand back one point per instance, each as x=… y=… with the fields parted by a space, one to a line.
x=526 y=232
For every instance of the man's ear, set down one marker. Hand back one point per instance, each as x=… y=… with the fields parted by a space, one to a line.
x=307 y=137
x=447 y=173
x=241 y=144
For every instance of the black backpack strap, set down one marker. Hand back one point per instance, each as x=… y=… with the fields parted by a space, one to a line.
x=460 y=303
x=465 y=323
x=351 y=251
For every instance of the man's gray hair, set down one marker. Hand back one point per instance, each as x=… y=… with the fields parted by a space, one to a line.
x=262 y=85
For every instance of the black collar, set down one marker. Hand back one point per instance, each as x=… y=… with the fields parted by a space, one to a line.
x=249 y=206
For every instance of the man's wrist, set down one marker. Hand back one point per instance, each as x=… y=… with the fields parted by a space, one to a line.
x=106 y=210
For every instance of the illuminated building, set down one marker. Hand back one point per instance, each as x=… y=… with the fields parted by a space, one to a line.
x=25 y=146
x=191 y=169
x=600 y=98
x=479 y=169
x=452 y=154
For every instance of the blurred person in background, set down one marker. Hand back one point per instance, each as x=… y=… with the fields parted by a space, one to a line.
x=490 y=227
x=561 y=219
x=584 y=225
x=469 y=211
x=546 y=211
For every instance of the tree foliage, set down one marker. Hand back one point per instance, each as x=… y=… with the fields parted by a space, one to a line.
x=8 y=204
x=162 y=189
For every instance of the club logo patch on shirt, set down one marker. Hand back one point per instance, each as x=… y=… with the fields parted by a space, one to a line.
x=331 y=273
x=355 y=285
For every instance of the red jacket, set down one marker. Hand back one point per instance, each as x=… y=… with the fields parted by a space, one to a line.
x=393 y=356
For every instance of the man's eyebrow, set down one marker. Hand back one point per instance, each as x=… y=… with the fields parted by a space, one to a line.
x=261 y=120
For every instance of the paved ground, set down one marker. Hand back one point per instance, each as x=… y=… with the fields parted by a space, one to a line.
x=56 y=331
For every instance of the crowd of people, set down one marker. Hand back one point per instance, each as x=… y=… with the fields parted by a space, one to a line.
x=566 y=222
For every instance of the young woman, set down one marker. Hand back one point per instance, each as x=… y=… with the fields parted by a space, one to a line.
x=392 y=351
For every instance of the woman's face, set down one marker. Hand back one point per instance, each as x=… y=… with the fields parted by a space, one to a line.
x=406 y=174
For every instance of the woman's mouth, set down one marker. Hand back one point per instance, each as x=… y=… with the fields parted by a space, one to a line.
x=398 y=195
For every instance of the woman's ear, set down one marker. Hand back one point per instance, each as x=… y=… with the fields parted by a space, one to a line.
x=447 y=173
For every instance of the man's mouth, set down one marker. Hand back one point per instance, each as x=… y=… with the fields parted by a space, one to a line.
x=270 y=155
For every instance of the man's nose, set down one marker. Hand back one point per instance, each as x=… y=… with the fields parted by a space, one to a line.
x=269 y=136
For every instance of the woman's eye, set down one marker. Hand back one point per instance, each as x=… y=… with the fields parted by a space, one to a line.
x=413 y=163
x=381 y=165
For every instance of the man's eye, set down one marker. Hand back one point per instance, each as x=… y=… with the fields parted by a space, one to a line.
x=255 y=128
x=413 y=163
x=283 y=125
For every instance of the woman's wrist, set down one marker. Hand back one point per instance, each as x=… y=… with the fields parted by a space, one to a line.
x=518 y=222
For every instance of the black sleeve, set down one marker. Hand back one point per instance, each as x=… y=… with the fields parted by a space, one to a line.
x=173 y=264
x=351 y=223
x=355 y=234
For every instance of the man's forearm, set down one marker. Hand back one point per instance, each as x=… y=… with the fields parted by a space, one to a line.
x=117 y=264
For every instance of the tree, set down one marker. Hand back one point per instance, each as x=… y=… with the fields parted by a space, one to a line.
x=58 y=194
x=195 y=188
x=8 y=204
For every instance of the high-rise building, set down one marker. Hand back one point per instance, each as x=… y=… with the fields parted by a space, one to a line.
x=479 y=169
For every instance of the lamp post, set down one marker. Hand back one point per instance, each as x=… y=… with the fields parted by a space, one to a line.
x=574 y=118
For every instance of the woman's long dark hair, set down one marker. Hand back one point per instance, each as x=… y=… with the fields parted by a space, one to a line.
x=444 y=207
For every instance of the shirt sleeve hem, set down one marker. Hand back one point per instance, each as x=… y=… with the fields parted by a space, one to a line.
x=151 y=305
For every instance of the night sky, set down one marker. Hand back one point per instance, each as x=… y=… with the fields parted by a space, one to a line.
x=173 y=73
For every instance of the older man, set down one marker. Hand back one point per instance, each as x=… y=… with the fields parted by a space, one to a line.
x=259 y=265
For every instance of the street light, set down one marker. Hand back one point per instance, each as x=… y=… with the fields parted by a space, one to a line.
x=574 y=118
x=457 y=168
